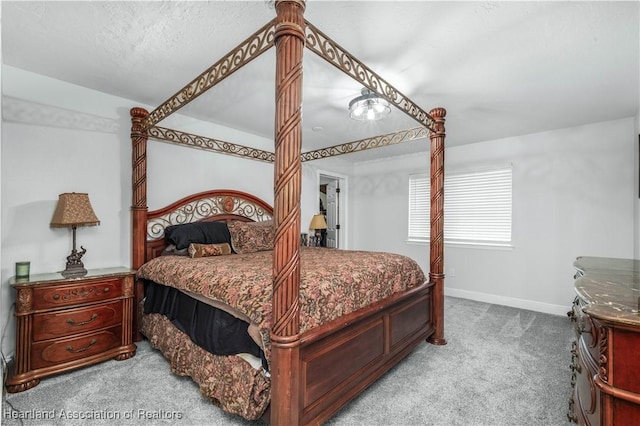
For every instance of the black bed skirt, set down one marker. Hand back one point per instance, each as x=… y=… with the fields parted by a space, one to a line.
x=212 y=329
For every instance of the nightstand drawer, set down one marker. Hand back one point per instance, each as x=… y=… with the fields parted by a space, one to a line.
x=79 y=293
x=52 y=353
x=74 y=321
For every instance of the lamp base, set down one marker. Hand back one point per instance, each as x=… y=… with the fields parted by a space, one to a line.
x=75 y=271
x=75 y=267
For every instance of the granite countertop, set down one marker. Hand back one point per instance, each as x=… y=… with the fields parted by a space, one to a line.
x=52 y=277
x=610 y=287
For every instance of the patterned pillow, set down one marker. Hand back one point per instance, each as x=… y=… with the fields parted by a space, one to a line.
x=250 y=237
x=205 y=250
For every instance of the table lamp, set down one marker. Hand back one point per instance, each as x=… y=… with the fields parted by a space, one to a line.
x=317 y=223
x=73 y=210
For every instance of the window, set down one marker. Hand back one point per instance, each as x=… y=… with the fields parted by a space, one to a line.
x=477 y=207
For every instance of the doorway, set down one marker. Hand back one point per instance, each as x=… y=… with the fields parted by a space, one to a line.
x=332 y=203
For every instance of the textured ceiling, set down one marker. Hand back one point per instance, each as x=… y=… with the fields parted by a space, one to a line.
x=499 y=68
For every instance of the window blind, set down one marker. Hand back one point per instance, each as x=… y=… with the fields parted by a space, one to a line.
x=477 y=207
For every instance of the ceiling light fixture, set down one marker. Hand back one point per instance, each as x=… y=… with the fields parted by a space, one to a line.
x=369 y=106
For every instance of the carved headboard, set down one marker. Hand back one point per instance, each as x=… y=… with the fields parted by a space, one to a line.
x=218 y=205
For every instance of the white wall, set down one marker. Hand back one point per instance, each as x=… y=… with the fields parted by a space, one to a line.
x=636 y=156
x=58 y=137
x=573 y=194
x=4 y=293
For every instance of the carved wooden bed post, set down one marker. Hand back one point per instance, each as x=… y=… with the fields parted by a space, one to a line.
x=139 y=136
x=436 y=256
x=285 y=338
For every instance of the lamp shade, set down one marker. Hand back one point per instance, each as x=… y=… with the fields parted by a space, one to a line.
x=369 y=106
x=74 y=209
x=318 y=222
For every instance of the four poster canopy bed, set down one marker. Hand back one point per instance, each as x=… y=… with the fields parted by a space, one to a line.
x=299 y=331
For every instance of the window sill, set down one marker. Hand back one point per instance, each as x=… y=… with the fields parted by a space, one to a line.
x=461 y=244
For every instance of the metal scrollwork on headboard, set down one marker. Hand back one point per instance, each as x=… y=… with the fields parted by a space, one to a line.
x=204 y=208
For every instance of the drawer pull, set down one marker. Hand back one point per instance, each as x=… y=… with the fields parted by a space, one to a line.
x=56 y=296
x=581 y=327
x=70 y=321
x=75 y=351
x=106 y=289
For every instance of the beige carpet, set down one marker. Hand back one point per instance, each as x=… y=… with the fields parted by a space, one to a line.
x=501 y=366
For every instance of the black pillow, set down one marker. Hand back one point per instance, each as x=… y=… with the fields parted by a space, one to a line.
x=197 y=232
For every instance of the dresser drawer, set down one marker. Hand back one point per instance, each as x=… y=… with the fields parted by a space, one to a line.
x=589 y=332
x=52 y=353
x=586 y=392
x=74 y=294
x=74 y=321
x=583 y=325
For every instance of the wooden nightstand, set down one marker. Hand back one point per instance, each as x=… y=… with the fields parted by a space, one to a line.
x=66 y=323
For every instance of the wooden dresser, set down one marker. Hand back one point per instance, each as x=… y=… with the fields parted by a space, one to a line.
x=66 y=323
x=606 y=353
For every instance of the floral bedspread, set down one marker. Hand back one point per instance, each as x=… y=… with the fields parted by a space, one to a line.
x=333 y=282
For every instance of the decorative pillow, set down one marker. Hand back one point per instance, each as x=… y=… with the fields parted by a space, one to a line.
x=250 y=237
x=197 y=232
x=206 y=250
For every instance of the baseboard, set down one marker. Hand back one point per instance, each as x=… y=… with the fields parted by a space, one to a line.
x=530 y=305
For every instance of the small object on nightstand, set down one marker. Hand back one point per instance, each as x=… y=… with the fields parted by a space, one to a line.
x=64 y=323
x=23 y=269
x=73 y=210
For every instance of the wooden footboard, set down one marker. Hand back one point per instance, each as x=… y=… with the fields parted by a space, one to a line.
x=340 y=359
x=337 y=360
